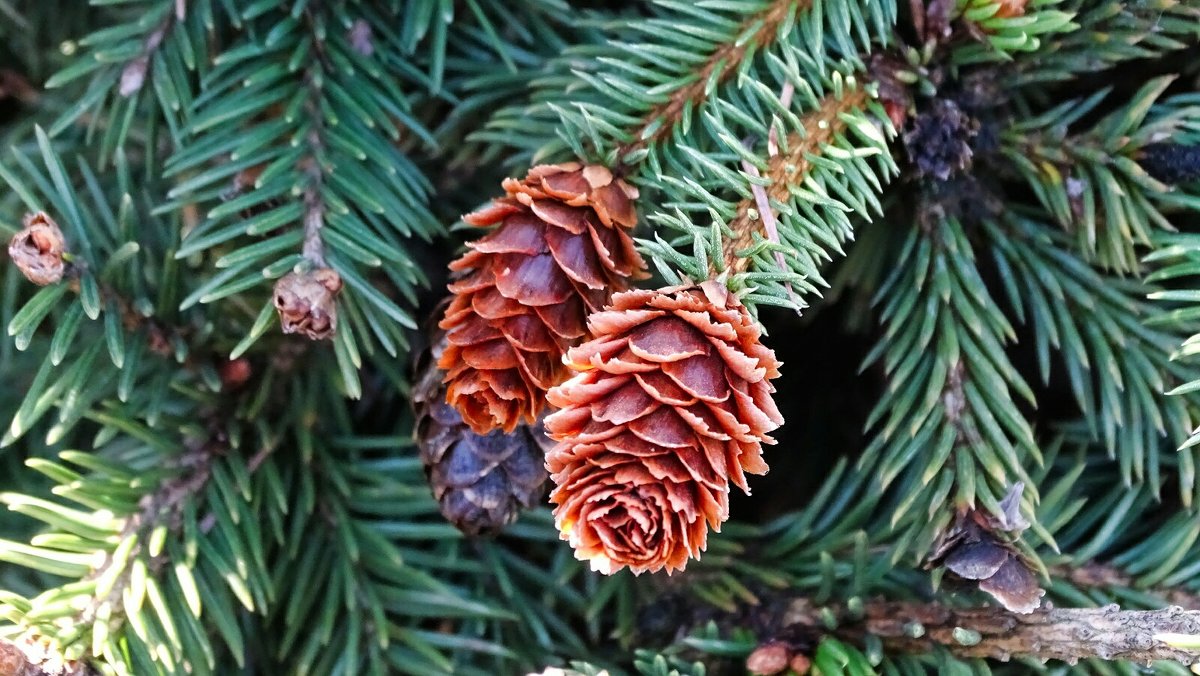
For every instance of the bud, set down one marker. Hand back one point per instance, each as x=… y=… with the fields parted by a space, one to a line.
x=768 y=659
x=307 y=302
x=1011 y=8
x=37 y=250
x=235 y=373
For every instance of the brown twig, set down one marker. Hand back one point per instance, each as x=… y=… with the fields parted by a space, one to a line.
x=314 y=203
x=1067 y=634
x=717 y=68
x=821 y=126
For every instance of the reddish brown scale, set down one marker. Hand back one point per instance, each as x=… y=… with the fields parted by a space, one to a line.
x=671 y=404
x=558 y=250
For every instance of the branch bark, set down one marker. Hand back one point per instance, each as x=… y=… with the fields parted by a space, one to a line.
x=1067 y=634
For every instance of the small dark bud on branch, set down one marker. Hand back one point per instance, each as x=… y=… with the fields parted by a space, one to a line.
x=939 y=140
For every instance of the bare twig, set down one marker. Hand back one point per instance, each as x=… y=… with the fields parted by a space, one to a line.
x=1106 y=576
x=314 y=171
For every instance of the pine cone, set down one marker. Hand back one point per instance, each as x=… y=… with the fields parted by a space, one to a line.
x=671 y=404
x=561 y=250
x=481 y=482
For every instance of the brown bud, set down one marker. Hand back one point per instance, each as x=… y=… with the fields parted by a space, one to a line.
x=37 y=250
x=768 y=659
x=235 y=373
x=800 y=664
x=307 y=302
x=1011 y=8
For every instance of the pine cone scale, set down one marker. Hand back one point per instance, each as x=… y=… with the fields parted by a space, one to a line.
x=577 y=258
x=571 y=219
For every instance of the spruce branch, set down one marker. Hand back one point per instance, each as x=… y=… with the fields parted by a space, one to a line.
x=1082 y=318
x=161 y=508
x=757 y=31
x=948 y=427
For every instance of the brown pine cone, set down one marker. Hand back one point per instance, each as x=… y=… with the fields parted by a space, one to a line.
x=524 y=290
x=481 y=482
x=671 y=404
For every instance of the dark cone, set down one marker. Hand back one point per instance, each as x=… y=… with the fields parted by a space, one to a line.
x=481 y=482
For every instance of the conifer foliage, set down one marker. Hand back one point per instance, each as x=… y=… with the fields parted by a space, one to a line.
x=224 y=217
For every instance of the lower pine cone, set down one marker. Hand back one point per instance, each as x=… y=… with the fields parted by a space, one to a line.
x=481 y=482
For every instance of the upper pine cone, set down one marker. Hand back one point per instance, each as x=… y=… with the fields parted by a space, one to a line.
x=671 y=405
x=524 y=290
x=481 y=482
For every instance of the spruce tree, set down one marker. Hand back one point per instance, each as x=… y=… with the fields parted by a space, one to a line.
x=932 y=262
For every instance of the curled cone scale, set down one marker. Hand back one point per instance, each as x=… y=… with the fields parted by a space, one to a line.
x=481 y=482
x=671 y=404
x=980 y=547
x=558 y=249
